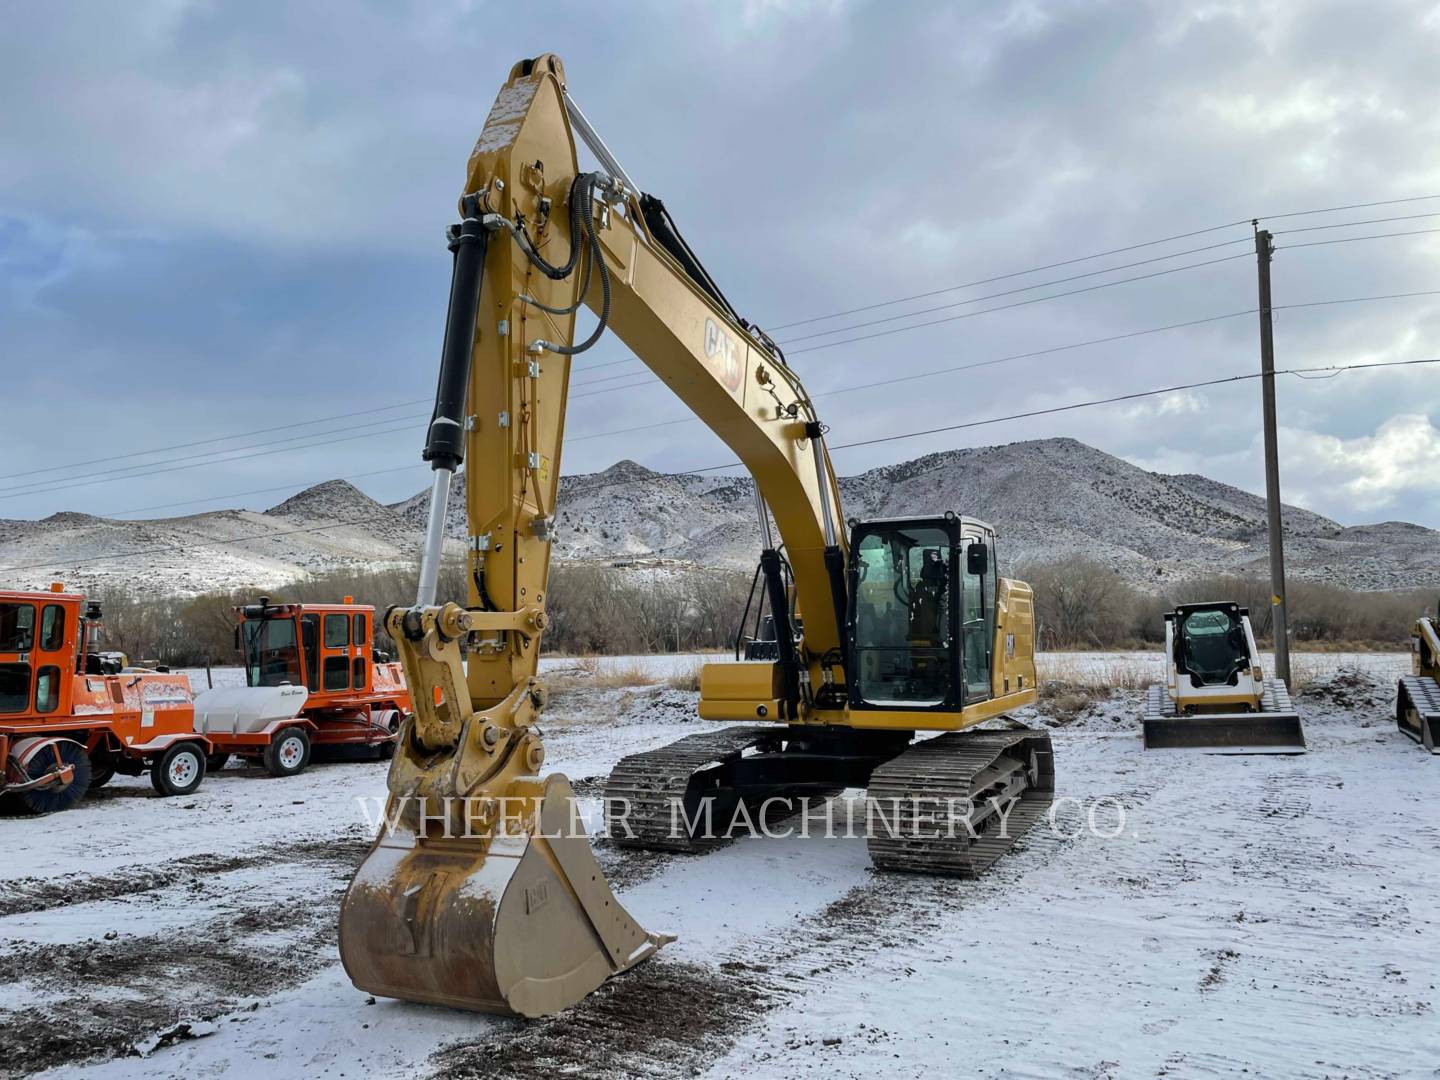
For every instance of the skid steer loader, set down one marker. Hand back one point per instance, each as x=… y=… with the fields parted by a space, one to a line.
x=1417 y=699
x=1216 y=696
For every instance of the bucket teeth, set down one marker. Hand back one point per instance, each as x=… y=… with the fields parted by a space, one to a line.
x=523 y=925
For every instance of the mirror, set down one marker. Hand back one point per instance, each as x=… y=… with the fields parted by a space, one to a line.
x=977 y=560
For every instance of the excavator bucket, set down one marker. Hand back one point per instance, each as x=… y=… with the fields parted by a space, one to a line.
x=517 y=919
x=1274 y=729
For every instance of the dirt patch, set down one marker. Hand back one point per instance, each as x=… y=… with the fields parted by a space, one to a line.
x=42 y=894
x=1358 y=692
x=107 y=998
x=657 y=1020
x=1219 y=967
x=119 y=994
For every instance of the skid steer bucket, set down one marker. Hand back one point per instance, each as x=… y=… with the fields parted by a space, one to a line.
x=1275 y=729
x=517 y=919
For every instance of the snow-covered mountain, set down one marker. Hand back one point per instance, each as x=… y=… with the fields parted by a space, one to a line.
x=1046 y=498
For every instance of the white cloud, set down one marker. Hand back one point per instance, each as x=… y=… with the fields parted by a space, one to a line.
x=1368 y=472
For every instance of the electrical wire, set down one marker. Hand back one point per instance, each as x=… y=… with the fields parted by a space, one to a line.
x=1352 y=224
x=217 y=438
x=1037 y=285
x=1352 y=239
x=897 y=437
x=223 y=461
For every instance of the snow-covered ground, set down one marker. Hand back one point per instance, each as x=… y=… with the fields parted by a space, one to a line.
x=1275 y=914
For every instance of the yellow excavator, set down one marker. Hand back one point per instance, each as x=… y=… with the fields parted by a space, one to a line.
x=484 y=892
x=1417 y=698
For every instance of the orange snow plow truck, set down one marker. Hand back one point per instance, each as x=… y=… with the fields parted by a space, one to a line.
x=70 y=718
x=352 y=703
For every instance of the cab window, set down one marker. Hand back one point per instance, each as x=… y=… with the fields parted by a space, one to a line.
x=337 y=631
x=17 y=627
x=14 y=688
x=52 y=627
x=47 y=689
x=904 y=603
x=360 y=637
x=337 y=672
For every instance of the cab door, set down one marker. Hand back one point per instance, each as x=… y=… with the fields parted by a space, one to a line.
x=17 y=648
x=335 y=668
x=360 y=651
x=977 y=614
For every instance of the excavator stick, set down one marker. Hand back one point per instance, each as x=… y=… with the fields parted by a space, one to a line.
x=519 y=921
x=481 y=891
x=1274 y=729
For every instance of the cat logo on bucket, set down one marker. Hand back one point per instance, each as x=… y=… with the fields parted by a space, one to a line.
x=724 y=355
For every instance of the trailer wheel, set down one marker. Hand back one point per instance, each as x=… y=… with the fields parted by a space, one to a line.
x=288 y=753
x=179 y=770
x=49 y=800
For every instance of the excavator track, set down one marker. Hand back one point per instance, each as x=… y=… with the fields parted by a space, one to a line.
x=737 y=769
x=1008 y=777
x=655 y=781
x=1417 y=710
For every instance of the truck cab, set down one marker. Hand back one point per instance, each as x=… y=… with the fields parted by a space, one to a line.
x=328 y=650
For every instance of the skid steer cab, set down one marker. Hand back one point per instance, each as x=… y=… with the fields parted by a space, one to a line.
x=348 y=705
x=71 y=717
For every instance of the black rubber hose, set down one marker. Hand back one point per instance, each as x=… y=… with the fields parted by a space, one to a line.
x=558 y=273
x=588 y=219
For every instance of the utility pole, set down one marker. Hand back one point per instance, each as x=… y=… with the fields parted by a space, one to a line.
x=1264 y=248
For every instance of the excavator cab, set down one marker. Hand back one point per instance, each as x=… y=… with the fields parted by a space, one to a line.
x=922 y=614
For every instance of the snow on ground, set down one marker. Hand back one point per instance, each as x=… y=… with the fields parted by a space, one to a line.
x=1275 y=914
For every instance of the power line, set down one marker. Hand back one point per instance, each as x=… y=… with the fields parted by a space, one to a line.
x=955 y=369
x=217 y=438
x=1352 y=239
x=1100 y=255
x=258 y=491
x=1350 y=206
x=34 y=488
x=1016 y=304
x=1037 y=285
x=131 y=472
x=201 y=464
x=1352 y=224
x=1037 y=352
x=1012 y=274
x=1337 y=368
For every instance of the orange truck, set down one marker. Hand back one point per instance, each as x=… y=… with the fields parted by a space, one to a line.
x=70 y=718
x=352 y=703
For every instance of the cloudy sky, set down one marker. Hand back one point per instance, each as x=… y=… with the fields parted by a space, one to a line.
x=226 y=219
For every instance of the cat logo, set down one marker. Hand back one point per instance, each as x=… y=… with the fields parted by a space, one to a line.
x=724 y=355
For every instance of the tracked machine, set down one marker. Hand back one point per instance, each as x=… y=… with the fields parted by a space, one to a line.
x=1216 y=696
x=1417 y=698
x=485 y=894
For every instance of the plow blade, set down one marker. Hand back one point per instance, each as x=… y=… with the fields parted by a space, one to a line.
x=1417 y=711
x=522 y=925
x=1272 y=731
